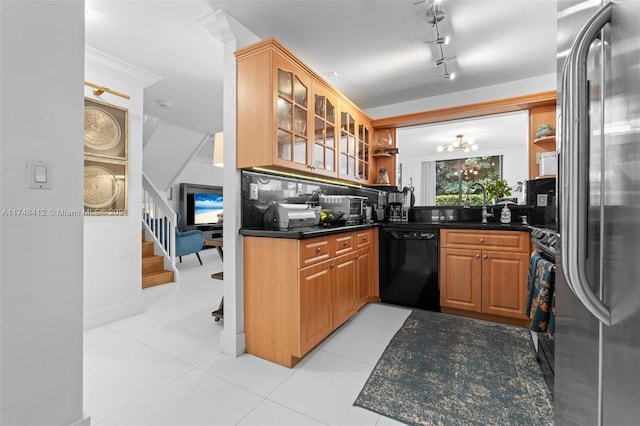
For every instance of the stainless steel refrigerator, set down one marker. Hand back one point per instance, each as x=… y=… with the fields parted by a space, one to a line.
x=597 y=340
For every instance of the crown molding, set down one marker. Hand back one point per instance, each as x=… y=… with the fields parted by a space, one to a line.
x=103 y=62
x=217 y=24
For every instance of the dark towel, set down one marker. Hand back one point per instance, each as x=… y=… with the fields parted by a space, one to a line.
x=541 y=301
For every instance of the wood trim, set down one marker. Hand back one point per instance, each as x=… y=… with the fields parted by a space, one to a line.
x=517 y=103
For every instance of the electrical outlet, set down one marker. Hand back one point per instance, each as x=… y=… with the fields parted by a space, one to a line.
x=253 y=191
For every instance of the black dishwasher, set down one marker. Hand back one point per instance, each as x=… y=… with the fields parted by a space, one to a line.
x=409 y=263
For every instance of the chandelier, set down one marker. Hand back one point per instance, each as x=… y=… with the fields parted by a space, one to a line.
x=464 y=145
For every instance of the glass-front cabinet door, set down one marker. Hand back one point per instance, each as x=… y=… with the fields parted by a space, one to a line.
x=324 y=135
x=347 y=159
x=292 y=117
x=363 y=145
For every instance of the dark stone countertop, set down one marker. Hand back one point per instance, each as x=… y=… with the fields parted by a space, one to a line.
x=303 y=232
x=475 y=225
x=316 y=231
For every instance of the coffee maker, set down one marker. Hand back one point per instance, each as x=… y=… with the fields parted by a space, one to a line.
x=381 y=206
x=396 y=207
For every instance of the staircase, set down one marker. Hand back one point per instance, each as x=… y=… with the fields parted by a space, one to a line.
x=158 y=224
x=153 y=272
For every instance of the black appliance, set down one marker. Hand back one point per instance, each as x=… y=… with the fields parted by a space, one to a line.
x=409 y=263
x=541 y=199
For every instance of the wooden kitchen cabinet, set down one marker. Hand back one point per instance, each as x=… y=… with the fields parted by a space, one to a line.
x=315 y=305
x=366 y=280
x=484 y=274
x=273 y=111
x=290 y=119
x=297 y=292
x=325 y=128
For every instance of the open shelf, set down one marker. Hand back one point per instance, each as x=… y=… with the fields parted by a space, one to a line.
x=544 y=139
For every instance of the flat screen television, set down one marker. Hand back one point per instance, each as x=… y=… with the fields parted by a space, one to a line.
x=207 y=209
x=201 y=207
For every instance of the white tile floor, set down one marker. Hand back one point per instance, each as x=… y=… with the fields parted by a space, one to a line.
x=165 y=367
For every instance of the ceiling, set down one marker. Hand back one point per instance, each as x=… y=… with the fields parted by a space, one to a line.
x=376 y=47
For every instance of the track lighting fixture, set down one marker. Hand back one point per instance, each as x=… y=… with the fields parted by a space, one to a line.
x=435 y=13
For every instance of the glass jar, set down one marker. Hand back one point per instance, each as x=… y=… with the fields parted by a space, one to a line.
x=383 y=177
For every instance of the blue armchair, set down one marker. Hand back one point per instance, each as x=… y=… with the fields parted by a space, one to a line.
x=188 y=242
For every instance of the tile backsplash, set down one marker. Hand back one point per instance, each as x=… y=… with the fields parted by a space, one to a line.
x=259 y=190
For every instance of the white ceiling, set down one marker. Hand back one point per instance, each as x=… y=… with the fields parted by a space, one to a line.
x=376 y=47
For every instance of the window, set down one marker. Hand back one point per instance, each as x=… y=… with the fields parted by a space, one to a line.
x=453 y=177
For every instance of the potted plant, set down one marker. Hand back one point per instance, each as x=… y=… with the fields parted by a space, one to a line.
x=497 y=190
x=545 y=129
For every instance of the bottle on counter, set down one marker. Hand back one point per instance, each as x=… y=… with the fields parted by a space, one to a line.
x=505 y=216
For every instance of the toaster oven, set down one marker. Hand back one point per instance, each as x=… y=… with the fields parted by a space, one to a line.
x=351 y=206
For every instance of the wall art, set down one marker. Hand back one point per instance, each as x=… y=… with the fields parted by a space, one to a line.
x=105 y=188
x=105 y=130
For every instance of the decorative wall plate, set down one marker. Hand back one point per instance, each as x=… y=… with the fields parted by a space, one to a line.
x=101 y=188
x=101 y=130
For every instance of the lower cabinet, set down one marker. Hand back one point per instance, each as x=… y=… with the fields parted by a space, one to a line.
x=484 y=274
x=297 y=292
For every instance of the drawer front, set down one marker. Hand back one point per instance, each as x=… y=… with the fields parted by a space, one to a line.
x=363 y=238
x=516 y=241
x=314 y=250
x=343 y=243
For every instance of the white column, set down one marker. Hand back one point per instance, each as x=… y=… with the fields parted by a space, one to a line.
x=234 y=36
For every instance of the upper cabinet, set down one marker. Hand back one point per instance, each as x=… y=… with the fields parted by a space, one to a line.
x=325 y=127
x=292 y=116
x=290 y=119
x=363 y=141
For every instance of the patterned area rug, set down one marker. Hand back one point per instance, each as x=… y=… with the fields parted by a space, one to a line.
x=446 y=370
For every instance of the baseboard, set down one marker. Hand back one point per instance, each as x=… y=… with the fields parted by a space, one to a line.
x=113 y=313
x=232 y=344
x=86 y=421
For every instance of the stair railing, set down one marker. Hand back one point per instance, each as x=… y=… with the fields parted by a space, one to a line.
x=160 y=222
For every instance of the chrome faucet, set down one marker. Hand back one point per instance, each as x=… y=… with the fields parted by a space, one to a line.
x=485 y=214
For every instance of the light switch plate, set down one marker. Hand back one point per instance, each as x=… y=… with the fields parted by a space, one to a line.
x=39 y=174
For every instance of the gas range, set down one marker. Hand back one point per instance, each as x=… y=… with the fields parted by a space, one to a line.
x=546 y=240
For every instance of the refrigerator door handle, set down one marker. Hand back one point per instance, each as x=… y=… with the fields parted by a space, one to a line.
x=573 y=180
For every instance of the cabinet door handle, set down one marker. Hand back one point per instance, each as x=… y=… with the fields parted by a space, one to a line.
x=332 y=265
x=346 y=243
x=357 y=256
x=318 y=250
x=485 y=256
x=482 y=240
x=477 y=256
x=364 y=238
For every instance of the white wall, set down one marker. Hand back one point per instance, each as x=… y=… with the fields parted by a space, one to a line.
x=112 y=249
x=168 y=151
x=509 y=89
x=41 y=115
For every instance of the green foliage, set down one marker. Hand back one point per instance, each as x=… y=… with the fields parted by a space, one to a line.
x=545 y=126
x=452 y=200
x=497 y=188
x=453 y=177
